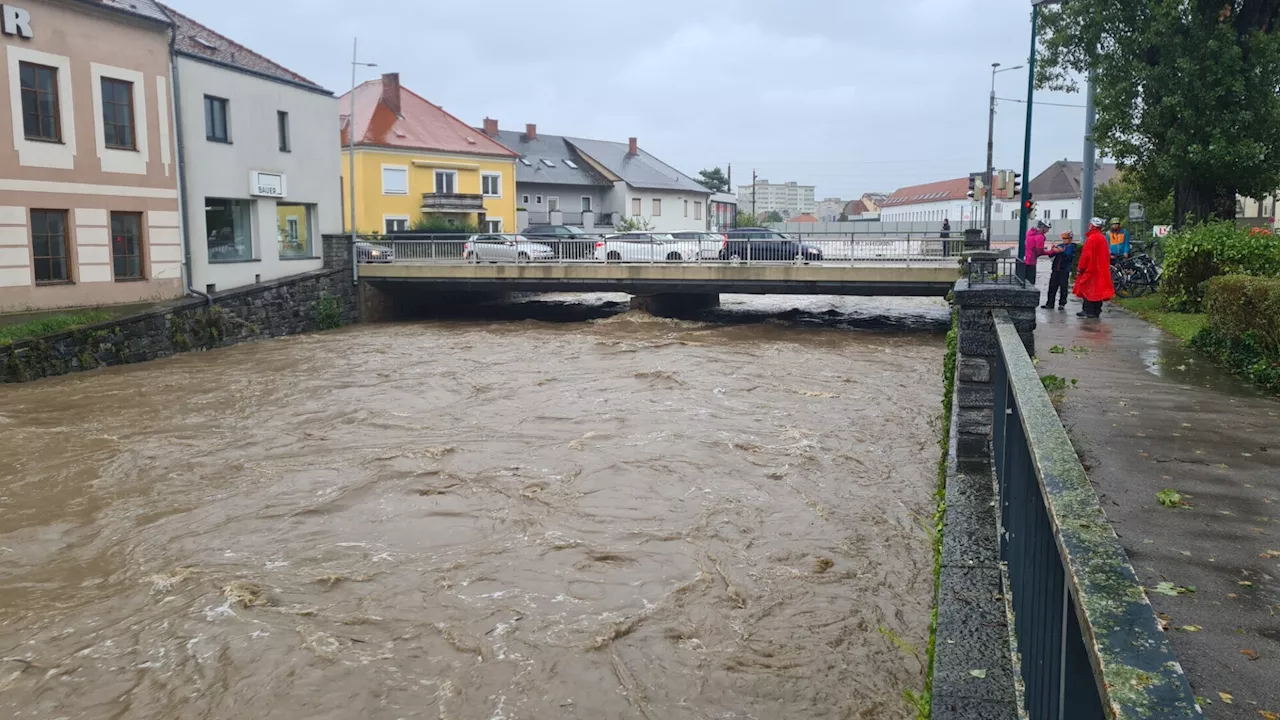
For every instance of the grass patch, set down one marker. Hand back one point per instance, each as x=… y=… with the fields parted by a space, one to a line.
x=51 y=324
x=1151 y=308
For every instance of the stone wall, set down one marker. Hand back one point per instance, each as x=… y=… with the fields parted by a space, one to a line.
x=288 y=306
x=975 y=394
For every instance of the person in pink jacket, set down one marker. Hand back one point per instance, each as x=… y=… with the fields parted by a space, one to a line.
x=1035 y=249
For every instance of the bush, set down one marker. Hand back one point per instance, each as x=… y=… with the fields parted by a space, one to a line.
x=1200 y=252
x=1243 y=333
x=442 y=225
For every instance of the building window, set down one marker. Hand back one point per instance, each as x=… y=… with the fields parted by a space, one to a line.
x=395 y=180
x=40 y=111
x=686 y=208
x=586 y=203
x=524 y=200
x=293 y=220
x=697 y=210
x=553 y=204
x=282 y=130
x=117 y=114
x=446 y=182
x=395 y=224
x=491 y=185
x=657 y=207
x=537 y=200
x=49 y=245
x=635 y=207
x=1064 y=214
x=215 y=119
x=126 y=245
x=230 y=230
x=493 y=226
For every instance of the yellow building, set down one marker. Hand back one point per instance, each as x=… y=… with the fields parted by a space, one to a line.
x=416 y=163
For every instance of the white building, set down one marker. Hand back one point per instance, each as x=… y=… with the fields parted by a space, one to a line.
x=786 y=199
x=261 y=164
x=1056 y=191
x=829 y=209
x=935 y=202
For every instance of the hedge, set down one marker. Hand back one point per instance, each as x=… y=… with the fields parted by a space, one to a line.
x=1243 y=333
x=1195 y=254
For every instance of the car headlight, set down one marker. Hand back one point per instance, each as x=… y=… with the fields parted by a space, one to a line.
x=376 y=253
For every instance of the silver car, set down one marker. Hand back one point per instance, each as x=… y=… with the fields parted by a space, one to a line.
x=367 y=252
x=505 y=248
x=643 y=247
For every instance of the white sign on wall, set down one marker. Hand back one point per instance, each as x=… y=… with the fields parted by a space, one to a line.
x=266 y=184
x=15 y=21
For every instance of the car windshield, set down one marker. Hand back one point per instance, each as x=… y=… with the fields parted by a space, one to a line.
x=573 y=231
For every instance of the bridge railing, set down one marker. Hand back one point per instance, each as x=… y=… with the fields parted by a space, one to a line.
x=697 y=248
x=1087 y=639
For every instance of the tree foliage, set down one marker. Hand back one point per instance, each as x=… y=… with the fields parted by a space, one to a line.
x=1112 y=200
x=1186 y=92
x=774 y=217
x=745 y=219
x=714 y=180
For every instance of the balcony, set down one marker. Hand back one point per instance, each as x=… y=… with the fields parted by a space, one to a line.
x=452 y=203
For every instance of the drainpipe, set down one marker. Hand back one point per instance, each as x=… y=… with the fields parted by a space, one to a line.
x=183 y=220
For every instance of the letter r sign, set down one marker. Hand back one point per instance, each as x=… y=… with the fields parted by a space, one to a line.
x=16 y=21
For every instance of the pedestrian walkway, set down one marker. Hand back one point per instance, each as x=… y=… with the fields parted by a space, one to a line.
x=1148 y=415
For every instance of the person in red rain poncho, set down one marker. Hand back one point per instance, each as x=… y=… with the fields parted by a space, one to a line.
x=1093 y=277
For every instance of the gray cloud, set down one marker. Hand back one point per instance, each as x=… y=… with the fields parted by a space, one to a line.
x=851 y=96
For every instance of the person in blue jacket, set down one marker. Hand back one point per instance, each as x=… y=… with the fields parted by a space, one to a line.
x=1064 y=257
x=1119 y=239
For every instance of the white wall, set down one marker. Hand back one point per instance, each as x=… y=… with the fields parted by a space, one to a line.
x=673 y=218
x=935 y=212
x=221 y=170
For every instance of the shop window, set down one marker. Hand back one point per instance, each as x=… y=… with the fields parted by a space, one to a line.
x=229 y=225
x=126 y=245
x=293 y=222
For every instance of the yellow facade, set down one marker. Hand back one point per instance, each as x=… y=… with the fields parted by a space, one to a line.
x=375 y=205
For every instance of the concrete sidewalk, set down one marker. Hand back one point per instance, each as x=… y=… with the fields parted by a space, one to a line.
x=1147 y=415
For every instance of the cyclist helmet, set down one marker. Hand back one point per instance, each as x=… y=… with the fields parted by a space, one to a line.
x=1043 y=225
x=1098 y=222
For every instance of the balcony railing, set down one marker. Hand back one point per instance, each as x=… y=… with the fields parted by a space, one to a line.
x=1089 y=643
x=452 y=202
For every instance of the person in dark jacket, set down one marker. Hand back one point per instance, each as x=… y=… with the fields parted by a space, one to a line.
x=1064 y=256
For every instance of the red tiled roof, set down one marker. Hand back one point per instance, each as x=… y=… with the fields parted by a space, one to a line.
x=804 y=217
x=197 y=40
x=944 y=190
x=419 y=126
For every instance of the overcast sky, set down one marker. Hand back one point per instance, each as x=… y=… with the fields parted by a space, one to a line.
x=848 y=95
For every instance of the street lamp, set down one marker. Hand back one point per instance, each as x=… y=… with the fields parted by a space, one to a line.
x=991 y=129
x=1025 y=215
x=351 y=138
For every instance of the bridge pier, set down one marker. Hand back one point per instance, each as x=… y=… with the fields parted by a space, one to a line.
x=675 y=304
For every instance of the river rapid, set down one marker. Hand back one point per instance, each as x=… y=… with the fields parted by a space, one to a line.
x=554 y=509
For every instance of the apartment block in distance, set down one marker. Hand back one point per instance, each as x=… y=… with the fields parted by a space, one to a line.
x=88 y=171
x=786 y=199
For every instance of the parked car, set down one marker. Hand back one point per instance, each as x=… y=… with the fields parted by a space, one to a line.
x=707 y=244
x=643 y=247
x=766 y=244
x=367 y=252
x=505 y=248
x=568 y=242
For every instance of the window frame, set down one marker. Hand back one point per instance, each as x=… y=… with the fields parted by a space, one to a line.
x=491 y=176
x=55 y=93
x=586 y=204
x=637 y=206
x=306 y=225
x=138 y=239
x=697 y=210
x=435 y=182
x=283 y=136
x=686 y=208
x=525 y=200
x=490 y=222
x=66 y=248
x=404 y=169
x=251 y=211
x=212 y=102
x=388 y=219
x=553 y=203
x=657 y=207
x=129 y=107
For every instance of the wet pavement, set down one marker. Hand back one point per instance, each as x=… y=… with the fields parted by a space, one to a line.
x=559 y=509
x=1147 y=415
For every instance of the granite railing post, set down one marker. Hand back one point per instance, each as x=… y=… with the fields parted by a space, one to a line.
x=977 y=348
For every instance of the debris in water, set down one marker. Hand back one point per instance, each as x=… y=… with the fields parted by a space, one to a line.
x=822 y=565
x=245 y=594
x=164 y=582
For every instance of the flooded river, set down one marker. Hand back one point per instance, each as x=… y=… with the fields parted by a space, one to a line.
x=483 y=519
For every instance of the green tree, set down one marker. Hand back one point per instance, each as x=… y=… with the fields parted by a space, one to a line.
x=714 y=180
x=774 y=217
x=1112 y=200
x=1186 y=92
x=745 y=219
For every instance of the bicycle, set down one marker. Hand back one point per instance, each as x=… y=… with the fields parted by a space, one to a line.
x=1135 y=275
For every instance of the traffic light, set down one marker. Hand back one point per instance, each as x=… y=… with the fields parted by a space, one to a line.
x=1029 y=206
x=1015 y=187
x=972 y=186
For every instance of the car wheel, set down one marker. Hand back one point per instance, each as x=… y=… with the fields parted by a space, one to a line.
x=674 y=257
x=522 y=257
x=614 y=256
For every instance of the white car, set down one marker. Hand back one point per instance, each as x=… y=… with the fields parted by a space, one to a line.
x=505 y=248
x=644 y=247
x=707 y=245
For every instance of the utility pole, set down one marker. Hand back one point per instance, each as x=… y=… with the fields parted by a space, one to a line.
x=991 y=134
x=729 y=182
x=351 y=138
x=1089 y=165
x=753 y=196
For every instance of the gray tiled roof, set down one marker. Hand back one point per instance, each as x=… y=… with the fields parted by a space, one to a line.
x=555 y=150
x=142 y=8
x=1061 y=180
x=198 y=41
x=641 y=170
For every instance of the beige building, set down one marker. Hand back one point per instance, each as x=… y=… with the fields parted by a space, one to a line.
x=88 y=165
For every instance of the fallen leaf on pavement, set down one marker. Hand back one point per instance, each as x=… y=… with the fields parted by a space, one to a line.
x=1251 y=654
x=1245 y=583
x=1191 y=628
x=1268 y=715
x=1165 y=621
x=1226 y=698
x=1165 y=588
x=1171 y=498
x=1270 y=555
x=980 y=673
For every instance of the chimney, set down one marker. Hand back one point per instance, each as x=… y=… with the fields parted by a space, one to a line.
x=391 y=91
x=530 y=132
x=490 y=127
x=634 y=148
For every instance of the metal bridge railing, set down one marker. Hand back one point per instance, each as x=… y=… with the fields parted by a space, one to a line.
x=702 y=248
x=1087 y=640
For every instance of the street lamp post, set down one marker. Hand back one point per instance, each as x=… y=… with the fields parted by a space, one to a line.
x=1024 y=216
x=351 y=138
x=991 y=129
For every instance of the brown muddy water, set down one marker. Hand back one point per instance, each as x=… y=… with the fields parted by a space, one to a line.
x=621 y=517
